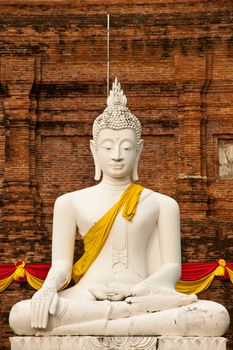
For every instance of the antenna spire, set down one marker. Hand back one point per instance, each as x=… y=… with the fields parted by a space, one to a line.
x=108 y=63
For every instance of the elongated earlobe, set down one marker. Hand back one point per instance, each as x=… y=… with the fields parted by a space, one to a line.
x=97 y=168
x=97 y=171
x=135 y=172
x=135 y=176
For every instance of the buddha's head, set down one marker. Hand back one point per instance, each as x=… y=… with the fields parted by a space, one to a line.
x=117 y=143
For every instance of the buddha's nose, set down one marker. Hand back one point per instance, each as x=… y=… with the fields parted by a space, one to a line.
x=116 y=154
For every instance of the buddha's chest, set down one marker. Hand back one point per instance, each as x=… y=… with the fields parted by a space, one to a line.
x=126 y=239
x=88 y=213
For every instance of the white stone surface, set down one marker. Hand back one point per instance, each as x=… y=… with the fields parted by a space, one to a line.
x=130 y=287
x=117 y=343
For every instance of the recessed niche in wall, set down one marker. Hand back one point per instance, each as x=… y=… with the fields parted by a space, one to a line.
x=225 y=152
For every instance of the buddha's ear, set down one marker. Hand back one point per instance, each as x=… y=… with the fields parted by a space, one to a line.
x=135 y=168
x=97 y=167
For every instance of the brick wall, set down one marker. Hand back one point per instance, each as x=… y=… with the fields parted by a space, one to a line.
x=174 y=60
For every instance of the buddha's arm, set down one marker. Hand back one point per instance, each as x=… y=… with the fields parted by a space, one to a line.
x=63 y=241
x=159 y=287
x=64 y=228
x=170 y=250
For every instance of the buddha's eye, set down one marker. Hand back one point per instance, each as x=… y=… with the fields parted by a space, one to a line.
x=126 y=146
x=107 y=146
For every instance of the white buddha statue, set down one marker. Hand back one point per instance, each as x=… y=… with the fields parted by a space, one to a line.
x=126 y=279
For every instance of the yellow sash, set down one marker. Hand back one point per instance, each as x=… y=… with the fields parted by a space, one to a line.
x=96 y=237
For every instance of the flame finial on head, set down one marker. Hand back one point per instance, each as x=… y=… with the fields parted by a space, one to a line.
x=116 y=97
x=116 y=116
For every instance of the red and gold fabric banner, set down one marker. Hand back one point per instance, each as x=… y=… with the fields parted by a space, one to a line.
x=34 y=274
x=195 y=278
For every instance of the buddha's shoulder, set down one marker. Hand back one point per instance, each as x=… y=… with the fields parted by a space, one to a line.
x=69 y=197
x=160 y=199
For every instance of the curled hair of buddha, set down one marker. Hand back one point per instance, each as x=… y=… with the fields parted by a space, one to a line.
x=116 y=116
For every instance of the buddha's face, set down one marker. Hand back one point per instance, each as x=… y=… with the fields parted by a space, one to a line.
x=116 y=152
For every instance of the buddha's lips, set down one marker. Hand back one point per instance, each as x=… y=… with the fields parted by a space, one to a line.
x=117 y=166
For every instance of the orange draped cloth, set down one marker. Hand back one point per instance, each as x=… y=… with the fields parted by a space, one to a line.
x=96 y=237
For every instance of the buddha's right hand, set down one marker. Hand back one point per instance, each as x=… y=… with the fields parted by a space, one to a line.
x=112 y=293
x=43 y=303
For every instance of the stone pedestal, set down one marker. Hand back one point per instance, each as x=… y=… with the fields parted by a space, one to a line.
x=117 y=343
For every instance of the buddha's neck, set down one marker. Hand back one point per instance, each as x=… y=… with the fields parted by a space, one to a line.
x=115 y=184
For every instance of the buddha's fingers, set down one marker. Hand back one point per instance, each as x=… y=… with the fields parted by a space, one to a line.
x=113 y=293
x=98 y=294
x=43 y=315
x=159 y=302
x=115 y=297
x=35 y=313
